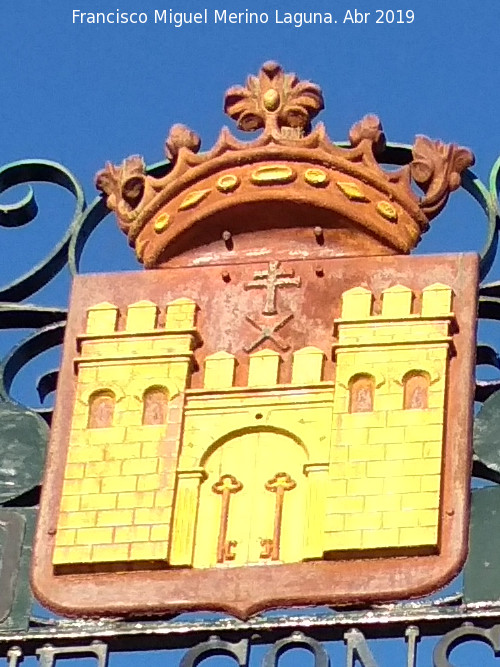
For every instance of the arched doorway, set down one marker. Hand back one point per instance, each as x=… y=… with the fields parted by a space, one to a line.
x=252 y=503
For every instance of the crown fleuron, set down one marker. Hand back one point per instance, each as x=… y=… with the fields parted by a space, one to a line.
x=291 y=177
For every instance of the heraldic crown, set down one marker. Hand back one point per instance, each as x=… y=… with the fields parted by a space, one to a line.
x=269 y=182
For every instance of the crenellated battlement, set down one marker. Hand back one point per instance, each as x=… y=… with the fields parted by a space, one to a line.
x=397 y=303
x=140 y=317
x=263 y=368
x=406 y=317
x=142 y=330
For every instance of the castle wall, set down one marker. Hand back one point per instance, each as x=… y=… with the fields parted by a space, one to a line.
x=298 y=415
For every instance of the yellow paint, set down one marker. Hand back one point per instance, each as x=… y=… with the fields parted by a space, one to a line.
x=161 y=222
x=102 y=318
x=149 y=551
x=141 y=316
x=180 y=315
x=253 y=459
x=193 y=199
x=77 y=519
x=114 y=517
x=66 y=538
x=362 y=481
x=387 y=211
x=188 y=488
x=317 y=480
x=113 y=472
x=98 y=501
x=401 y=449
x=102 y=553
x=436 y=300
x=71 y=555
x=307 y=365
x=273 y=174
x=352 y=191
x=263 y=368
x=316 y=177
x=227 y=183
x=396 y=302
x=271 y=99
x=134 y=499
x=219 y=370
x=356 y=303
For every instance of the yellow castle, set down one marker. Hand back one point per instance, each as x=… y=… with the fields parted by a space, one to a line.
x=317 y=468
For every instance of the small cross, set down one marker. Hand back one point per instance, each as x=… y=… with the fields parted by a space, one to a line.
x=273 y=280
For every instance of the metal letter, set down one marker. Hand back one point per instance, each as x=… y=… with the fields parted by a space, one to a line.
x=13 y=655
x=48 y=653
x=358 y=648
x=456 y=637
x=412 y=633
x=297 y=640
x=216 y=647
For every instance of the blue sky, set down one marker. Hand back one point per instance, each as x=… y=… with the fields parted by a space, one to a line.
x=82 y=94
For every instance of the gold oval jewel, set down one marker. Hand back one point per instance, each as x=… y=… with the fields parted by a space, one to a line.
x=316 y=177
x=161 y=222
x=387 y=211
x=227 y=183
x=271 y=174
x=193 y=199
x=271 y=99
x=352 y=191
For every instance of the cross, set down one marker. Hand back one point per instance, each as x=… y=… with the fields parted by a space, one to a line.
x=273 y=280
x=268 y=332
x=226 y=485
x=280 y=483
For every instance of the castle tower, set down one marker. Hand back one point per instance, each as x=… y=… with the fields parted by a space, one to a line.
x=117 y=495
x=386 y=456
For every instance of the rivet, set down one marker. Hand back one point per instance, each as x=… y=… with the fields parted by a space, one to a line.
x=227 y=237
x=225 y=276
x=318 y=233
x=318 y=270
